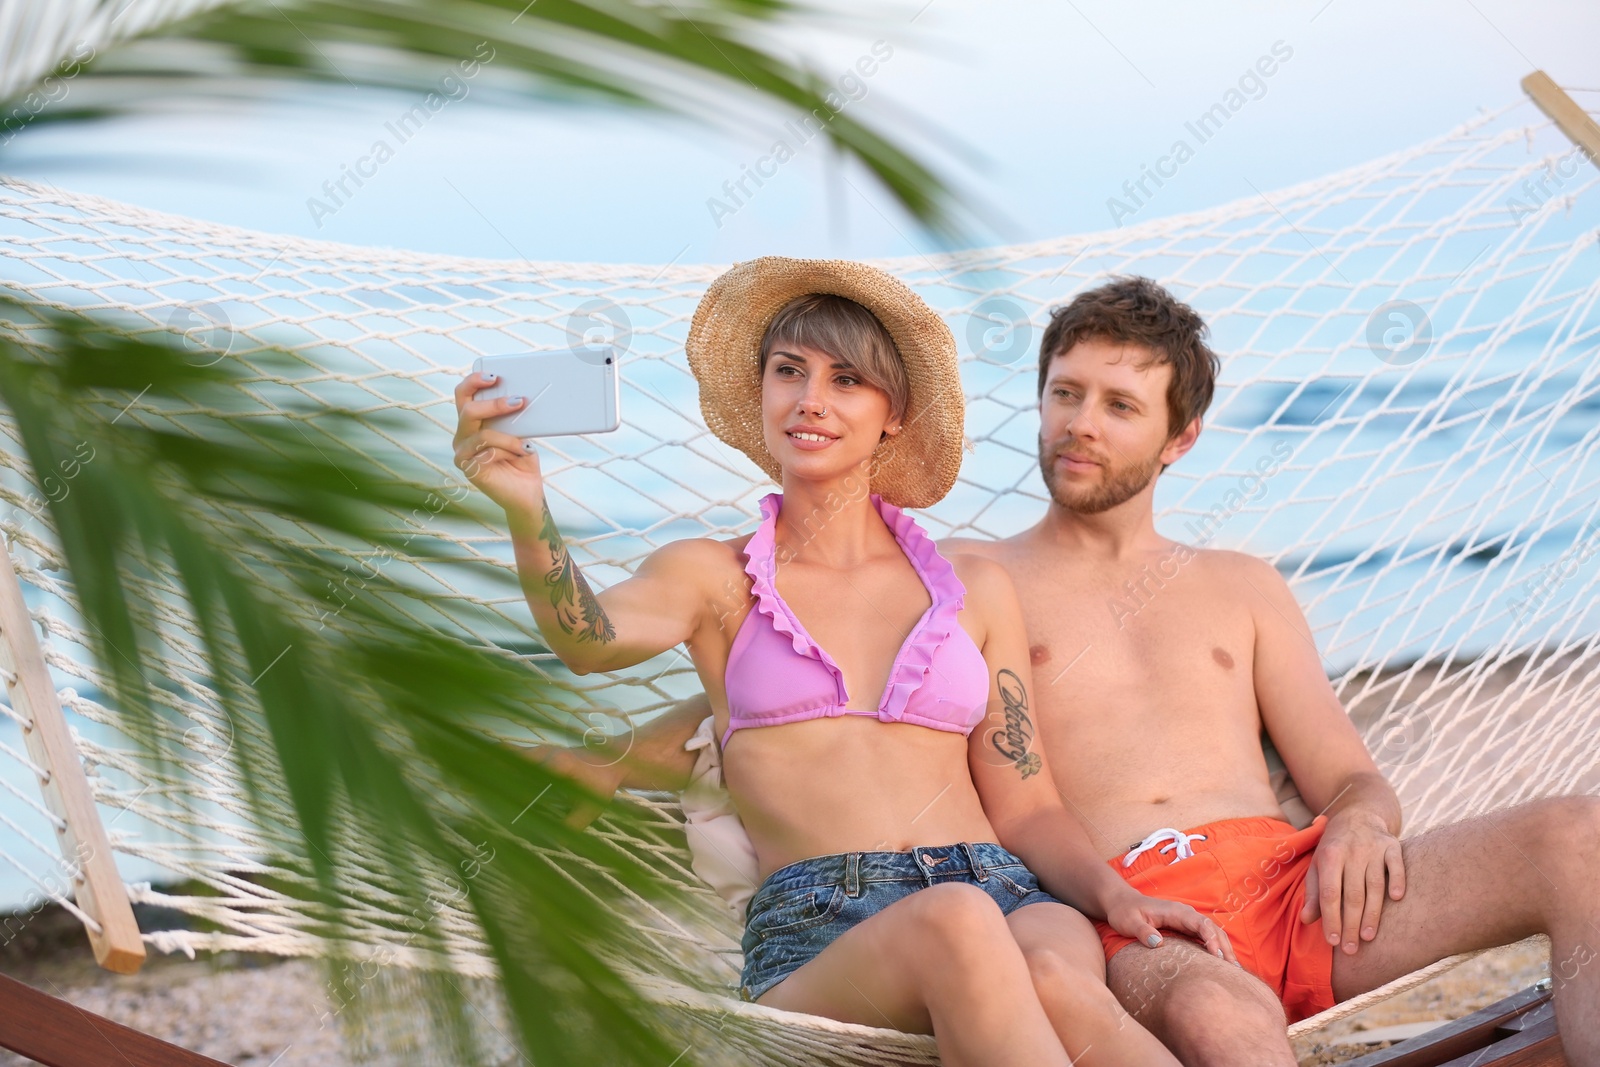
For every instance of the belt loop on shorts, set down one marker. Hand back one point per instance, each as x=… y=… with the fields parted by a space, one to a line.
x=852 y=874
x=976 y=864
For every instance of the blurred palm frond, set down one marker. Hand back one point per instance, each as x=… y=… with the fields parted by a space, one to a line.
x=707 y=60
x=367 y=737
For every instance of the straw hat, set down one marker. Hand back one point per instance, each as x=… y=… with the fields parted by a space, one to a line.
x=912 y=469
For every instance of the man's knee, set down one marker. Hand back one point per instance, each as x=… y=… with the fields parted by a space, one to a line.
x=1224 y=1003
x=1209 y=1013
x=1209 y=1020
x=1581 y=816
x=1179 y=987
x=1566 y=832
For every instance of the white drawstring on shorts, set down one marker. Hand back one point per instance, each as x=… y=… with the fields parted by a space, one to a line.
x=1176 y=839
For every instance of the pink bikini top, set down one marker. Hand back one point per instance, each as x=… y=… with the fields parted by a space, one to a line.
x=777 y=674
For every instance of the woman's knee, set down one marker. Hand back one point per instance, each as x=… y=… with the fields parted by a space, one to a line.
x=955 y=916
x=951 y=909
x=1066 y=983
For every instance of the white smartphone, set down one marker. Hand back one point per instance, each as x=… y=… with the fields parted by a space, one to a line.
x=568 y=392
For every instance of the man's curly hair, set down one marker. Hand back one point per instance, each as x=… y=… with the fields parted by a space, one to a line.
x=1135 y=310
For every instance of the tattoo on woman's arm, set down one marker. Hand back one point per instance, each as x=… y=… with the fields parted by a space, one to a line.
x=578 y=610
x=1012 y=742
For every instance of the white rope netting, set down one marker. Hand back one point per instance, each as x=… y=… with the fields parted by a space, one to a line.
x=1405 y=425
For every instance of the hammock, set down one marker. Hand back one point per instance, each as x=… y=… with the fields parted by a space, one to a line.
x=1411 y=343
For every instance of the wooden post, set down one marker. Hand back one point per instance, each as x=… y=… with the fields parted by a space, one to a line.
x=1579 y=126
x=98 y=887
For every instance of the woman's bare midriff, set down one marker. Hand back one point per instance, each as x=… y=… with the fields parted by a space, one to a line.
x=851 y=784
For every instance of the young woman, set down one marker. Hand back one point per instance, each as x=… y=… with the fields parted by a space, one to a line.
x=871 y=696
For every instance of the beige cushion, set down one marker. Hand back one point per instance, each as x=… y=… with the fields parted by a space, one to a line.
x=719 y=849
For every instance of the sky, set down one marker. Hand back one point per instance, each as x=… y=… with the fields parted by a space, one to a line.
x=1037 y=112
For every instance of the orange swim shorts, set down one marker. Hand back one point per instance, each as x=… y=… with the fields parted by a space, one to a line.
x=1248 y=876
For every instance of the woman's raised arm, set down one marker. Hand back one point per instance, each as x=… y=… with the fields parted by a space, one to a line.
x=656 y=609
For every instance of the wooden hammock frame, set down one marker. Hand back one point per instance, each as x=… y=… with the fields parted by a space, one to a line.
x=1519 y=1031
x=58 y=1033
x=97 y=887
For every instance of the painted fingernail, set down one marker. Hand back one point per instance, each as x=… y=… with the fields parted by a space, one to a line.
x=1153 y=940
x=491 y=377
x=516 y=400
x=527 y=446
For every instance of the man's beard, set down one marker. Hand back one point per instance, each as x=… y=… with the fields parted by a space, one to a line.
x=1120 y=484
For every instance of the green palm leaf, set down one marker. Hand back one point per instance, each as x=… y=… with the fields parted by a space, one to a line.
x=368 y=737
x=700 y=58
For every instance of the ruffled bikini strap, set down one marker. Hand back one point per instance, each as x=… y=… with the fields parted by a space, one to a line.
x=937 y=571
x=916 y=658
x=762 y=566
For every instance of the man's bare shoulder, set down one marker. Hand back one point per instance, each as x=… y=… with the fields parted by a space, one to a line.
x=1237 y=577
x=1230 y=563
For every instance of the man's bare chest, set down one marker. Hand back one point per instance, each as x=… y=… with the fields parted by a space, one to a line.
x=1172 y=655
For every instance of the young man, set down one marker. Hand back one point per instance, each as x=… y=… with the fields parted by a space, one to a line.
x=1159 y=665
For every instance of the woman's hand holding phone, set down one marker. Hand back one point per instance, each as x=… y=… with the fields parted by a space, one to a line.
x=658 y=608
x=497 y=463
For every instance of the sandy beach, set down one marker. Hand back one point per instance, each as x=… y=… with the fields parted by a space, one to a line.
x=263 y=1011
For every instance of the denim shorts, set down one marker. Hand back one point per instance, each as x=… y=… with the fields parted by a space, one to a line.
x=802 y=907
